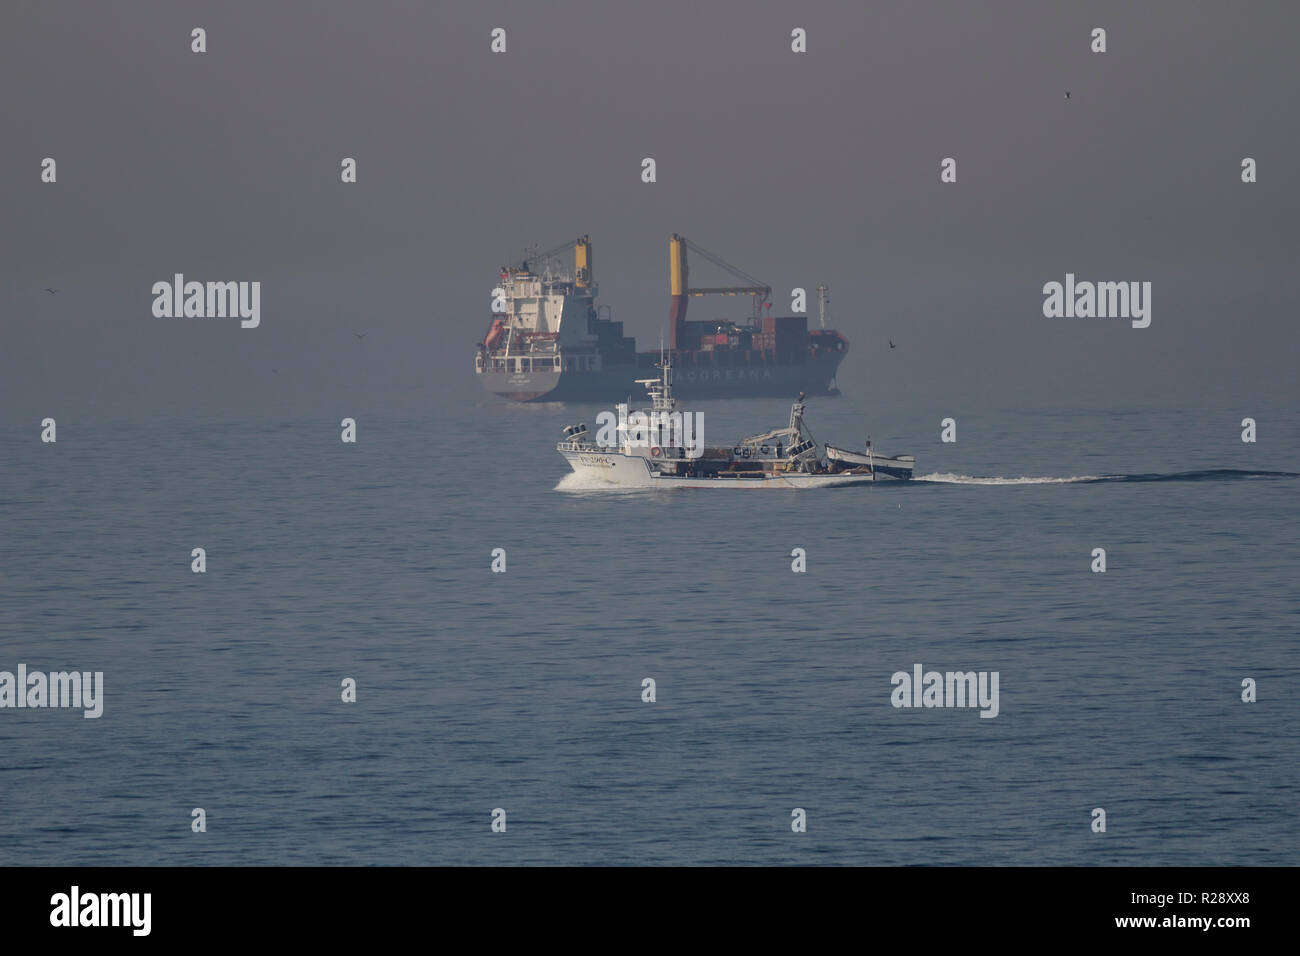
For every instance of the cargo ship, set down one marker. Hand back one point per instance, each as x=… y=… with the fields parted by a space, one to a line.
x=548 y=340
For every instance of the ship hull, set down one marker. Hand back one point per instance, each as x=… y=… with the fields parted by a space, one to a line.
x=814 y=377
x=629 y=471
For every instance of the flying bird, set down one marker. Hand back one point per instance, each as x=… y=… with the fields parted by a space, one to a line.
x=361 y=335
x=1067 y=94
x=891 y=344
x=51 y=291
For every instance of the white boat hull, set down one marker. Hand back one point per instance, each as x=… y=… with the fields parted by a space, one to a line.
x=624 y=471
x=884 y=466
x=767 y=481
x=611 y=468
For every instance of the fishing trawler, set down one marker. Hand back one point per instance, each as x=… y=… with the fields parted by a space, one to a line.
x=660 y=448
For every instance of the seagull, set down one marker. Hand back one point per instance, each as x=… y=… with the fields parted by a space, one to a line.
x=51 y=291
x=892 y=345
x=361 y=335
x=1067 y=94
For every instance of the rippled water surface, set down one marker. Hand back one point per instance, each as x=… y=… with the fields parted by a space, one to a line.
x=522 y=690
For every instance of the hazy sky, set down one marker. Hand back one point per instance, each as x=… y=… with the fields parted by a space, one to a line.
x=800 y=168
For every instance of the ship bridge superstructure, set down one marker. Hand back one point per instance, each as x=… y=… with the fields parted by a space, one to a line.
x=545 y=317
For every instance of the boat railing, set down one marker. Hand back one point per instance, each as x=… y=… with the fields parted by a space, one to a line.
x=666 y=452
x=586 y=446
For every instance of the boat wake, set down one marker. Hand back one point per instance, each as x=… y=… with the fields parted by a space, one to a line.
x=579 y=483
x=1211 y=474
x=948 y=478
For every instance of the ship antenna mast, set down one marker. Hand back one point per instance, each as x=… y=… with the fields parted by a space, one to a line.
x=823 y=299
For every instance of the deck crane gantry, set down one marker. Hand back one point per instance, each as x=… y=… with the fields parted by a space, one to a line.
x=582 y=259
x=681 y=289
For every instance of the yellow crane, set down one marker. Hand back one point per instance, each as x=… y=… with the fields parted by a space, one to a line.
x=679 y=284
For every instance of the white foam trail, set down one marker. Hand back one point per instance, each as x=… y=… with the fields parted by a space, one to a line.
x=949 y=478
x=576 y=482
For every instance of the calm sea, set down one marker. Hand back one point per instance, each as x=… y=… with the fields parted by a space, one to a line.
x=522 y=690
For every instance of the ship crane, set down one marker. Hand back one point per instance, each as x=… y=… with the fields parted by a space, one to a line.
x=582 y=259
x=682 y=290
